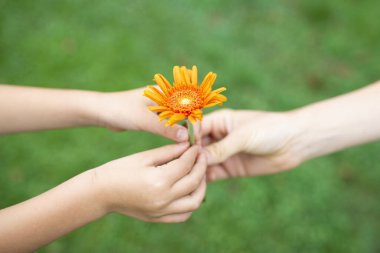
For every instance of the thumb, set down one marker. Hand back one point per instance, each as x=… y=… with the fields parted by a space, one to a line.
x=176 y=133
x=151 y=124
x=220 y=151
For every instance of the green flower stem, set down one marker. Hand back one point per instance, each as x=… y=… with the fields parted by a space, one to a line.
x=190 y=131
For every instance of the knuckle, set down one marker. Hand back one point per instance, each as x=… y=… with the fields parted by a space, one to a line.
x=157 y=184
x=186 y=217
x=195 y=205
x=226 y=111
x=158 y=204
x=219 y=151
x=194 y=183
x=181 y=219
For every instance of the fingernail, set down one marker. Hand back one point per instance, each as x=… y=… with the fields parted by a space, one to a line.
x=182 y=135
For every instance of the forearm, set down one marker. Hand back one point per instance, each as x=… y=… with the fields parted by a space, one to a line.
x=31 y=109
x=338 y=123
x=38 y=221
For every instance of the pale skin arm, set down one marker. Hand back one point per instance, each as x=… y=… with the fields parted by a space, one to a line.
x=161 y=185
x=24 y=109
x=251 y=143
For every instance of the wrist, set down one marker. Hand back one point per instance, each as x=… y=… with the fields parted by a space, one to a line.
x=92 y=192
x=315 y=136
x=89 y=108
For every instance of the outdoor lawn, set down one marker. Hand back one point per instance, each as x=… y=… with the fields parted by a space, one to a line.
x=271 y=55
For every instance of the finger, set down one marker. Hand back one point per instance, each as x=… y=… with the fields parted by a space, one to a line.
x=221 y=122
x=180 y=167
x=207 y=140
x=190 y=202
x=163 y=155
x=151 y=124
x=173 y=218
x=191 y=181
x=215 y=173
x=217 y=124
x=223 y=149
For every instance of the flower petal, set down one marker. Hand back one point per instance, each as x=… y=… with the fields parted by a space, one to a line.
x=220 y=90
x=163 y=83
x=154 y=89
x=158 y=108
x=185 y=75
x=212 y=104
x=177 y=76
x=197 y=114
x=208 y=82
x=165 y=115
x=221 y=98
x=154 y=96
x=192 y=119
x=194 y=76
x=174 y=119
x=209 y=97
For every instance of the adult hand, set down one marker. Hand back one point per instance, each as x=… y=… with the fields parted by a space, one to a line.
x=249 y=143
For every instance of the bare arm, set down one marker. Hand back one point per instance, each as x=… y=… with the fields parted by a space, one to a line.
x=250 y=143
x=31 y=109
x=341 y=122
x=29 y=225
x=161 y=185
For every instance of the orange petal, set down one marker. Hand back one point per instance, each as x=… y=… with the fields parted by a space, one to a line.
x=163 y=83
x=197 y=114
x=154 y=89
x=154 y=96
x=219 y=90
x=177 y=76
x=189 y=73
x=209 y=97
x=212 y=104
x=211 y=81
x=174 y=119
x=208 y=82
x=165 y=115
x=159 y=108
x=194 y=76
x=192 y=119
x=185 y=75
x=221 y=98
x=206 y=79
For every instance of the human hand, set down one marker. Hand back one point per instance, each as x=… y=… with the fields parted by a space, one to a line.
x=246 y=143
x=127 y=110
x=161 y=185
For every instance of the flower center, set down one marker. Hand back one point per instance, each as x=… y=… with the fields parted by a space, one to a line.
x=185 y=99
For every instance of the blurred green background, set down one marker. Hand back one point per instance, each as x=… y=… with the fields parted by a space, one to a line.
x=272 y=55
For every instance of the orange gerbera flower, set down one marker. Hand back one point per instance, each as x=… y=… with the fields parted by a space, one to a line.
x=185 y=99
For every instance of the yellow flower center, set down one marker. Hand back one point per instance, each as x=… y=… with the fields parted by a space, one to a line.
x=185 y=99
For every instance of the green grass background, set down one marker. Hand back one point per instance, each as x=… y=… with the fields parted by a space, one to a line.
x=272 y=55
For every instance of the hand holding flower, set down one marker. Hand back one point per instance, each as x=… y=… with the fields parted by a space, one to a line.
x=161 y=185
x=127 y=110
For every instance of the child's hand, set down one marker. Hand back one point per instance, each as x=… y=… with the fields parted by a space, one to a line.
x=127 y=110
x=161 y=185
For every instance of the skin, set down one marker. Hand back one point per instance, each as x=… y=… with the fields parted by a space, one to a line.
x=161 y=185
x=246 y=143
x=25 y=109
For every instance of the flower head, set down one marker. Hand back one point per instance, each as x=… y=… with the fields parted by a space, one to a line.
x=185 y=99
